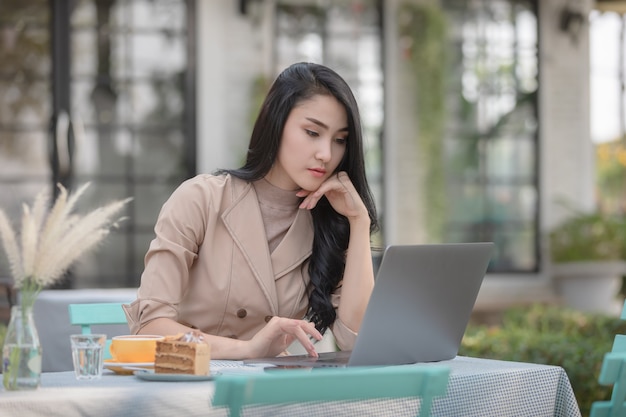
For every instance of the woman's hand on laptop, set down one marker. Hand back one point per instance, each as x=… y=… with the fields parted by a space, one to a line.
x=279 y=333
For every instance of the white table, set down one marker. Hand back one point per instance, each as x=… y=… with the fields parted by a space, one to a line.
x=478 y=387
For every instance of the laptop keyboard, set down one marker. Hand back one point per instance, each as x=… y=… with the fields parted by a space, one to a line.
x=225 y=366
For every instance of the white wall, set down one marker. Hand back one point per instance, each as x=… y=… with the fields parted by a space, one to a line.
x=230 y=56
x=567 y=162
x=400 y=147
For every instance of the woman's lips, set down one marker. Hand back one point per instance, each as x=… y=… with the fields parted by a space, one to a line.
x=317 y=172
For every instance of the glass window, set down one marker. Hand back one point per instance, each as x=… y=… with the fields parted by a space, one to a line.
x=475 y=66
x=135 y=109
x=497 y=118
x=125 y=91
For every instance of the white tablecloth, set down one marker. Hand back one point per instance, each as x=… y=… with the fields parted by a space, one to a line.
x=478 y=387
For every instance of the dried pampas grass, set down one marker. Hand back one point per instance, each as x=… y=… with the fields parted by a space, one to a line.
x=53 y=239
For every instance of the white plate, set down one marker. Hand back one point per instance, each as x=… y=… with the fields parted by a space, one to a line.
x=125 y=367
x=149 y=375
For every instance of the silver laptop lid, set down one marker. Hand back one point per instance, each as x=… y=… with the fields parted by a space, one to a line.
x=421 y=304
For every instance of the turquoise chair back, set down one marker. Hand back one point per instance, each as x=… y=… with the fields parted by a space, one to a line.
x=86 y=315
x=613 y=372
x=331 y=384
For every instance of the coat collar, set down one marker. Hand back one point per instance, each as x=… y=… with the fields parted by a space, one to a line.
x=245 y=225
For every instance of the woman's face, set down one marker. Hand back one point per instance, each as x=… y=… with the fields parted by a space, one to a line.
x=312 y=146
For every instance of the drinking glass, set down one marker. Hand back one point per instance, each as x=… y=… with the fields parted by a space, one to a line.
x=87 y=355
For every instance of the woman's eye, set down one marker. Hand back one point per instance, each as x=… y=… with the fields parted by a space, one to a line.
x=341 y=141
x=311 y=133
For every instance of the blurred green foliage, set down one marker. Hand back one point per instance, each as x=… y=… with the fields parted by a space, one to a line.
x=589 y=237
x=3 y=332
x=551 y=335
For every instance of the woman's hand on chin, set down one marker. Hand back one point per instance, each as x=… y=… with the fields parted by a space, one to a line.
x=341 y=194
x=279 y=333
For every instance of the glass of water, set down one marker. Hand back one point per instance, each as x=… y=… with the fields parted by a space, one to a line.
x=87 y=355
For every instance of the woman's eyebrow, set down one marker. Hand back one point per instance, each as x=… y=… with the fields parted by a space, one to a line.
x=323 y=125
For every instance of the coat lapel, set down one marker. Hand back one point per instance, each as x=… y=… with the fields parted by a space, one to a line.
x=245 y=225
x=296 y=246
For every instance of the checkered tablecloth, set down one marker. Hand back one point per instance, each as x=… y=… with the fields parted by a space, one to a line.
x=477 y=387
x=498 y=388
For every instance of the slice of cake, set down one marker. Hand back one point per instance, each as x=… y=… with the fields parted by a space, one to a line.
x=182 y=354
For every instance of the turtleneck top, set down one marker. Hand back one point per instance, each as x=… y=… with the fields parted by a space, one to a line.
x=278 y=210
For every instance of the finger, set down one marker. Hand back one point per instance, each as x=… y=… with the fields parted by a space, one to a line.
x=311 y=330
x=313 y=336
x=341 y=185
x=305 y=342
x=309 y=202
x=345 y=181
x=334 y=183
x=306 y=331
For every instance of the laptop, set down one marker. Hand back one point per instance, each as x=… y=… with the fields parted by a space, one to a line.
x=418 y=311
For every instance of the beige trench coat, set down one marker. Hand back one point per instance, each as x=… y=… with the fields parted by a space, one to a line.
x=209 y=266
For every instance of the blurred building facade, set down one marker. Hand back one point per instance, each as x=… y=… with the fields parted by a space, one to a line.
x=485 y=114
x=476 y=113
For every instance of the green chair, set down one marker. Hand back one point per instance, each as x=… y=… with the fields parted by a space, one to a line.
x=86 y=315
x=325 y=384
x=613 y=372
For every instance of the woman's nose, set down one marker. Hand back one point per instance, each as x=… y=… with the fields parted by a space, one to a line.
x=324 y=152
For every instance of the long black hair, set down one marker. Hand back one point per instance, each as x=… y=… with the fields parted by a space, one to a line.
x=297 y=83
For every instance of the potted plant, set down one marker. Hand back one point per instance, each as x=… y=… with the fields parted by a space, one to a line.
x=587 y=261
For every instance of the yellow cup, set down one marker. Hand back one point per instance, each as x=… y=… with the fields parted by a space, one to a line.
x=134 y=348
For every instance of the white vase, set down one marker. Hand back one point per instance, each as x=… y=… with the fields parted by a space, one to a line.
x=591 y=286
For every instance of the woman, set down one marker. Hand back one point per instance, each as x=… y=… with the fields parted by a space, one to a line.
x=279 y=249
